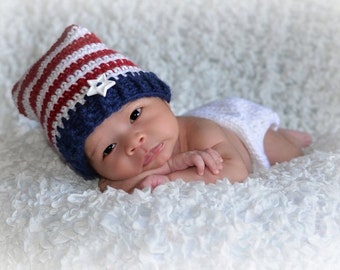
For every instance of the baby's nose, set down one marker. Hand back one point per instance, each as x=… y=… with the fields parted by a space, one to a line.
x=134 y=142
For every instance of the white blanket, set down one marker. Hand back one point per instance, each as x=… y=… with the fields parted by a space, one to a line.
x=282 y=54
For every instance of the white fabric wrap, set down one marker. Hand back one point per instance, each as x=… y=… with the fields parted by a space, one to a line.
x=250 y=121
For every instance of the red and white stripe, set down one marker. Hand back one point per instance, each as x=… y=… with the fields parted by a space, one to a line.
x=24 y=88
x=58 y=81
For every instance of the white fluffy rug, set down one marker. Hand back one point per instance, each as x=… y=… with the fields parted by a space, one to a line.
x=283 y=54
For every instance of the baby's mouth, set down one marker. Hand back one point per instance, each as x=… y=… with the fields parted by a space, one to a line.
x=152 y=153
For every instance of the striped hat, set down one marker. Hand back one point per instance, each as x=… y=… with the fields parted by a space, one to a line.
x=75 y=86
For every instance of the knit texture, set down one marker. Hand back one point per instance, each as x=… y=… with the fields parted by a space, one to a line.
x=75 y=86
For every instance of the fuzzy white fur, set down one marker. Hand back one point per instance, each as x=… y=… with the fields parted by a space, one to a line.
x=282 y=54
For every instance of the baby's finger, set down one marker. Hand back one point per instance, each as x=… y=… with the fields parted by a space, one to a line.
x=215 y=155
x=198 y=161
x=217 y=158
x=213 y=160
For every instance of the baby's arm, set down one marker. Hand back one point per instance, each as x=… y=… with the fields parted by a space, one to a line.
x=207 y=134
x=198 y=160
x=233 y=167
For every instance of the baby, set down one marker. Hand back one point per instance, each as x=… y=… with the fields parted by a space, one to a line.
x=109 y=119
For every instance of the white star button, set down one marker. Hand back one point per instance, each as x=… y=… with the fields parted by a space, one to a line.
x=99 y=86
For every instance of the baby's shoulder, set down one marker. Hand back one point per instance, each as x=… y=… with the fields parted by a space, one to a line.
x=201 y=132
x=197 y=124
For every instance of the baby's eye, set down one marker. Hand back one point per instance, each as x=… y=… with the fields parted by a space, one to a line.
x=109 y=149
x=135 y=114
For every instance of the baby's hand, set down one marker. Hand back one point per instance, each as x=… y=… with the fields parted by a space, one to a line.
x=200 y=159
x=153 y=181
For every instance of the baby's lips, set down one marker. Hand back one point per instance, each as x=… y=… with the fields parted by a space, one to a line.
x=151 y=154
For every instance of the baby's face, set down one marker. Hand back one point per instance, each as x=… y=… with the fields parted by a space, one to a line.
x=139 y=137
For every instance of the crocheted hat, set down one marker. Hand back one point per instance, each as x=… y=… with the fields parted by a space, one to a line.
x=75 y=86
